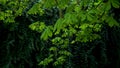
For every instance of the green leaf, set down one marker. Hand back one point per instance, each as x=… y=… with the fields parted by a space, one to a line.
x=65 y=52
x=36 y=9
x=3 y=1
x=46 y=61
x=48 y=3
x=97 y=27
x=112 y=22
x=46 y=34
x=115 y=3
x=62 y=4
x=89 y=17
x=108 y=6
x=53 y=49
x=84 y=26
x=60 y=60
x=42 y=26
x=58 y=26
x=77 y=8
x=33 y=26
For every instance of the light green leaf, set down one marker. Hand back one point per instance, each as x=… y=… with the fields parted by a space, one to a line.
x=60 y=60
x=64 y=52
x=58 y=26
x=46 y=61
x=53 y=49
x=46 y=34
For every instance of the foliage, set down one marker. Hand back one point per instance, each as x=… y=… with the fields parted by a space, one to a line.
x=80 y=20
x=65 y=29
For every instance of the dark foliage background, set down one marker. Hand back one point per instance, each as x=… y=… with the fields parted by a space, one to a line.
x=20 y=47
